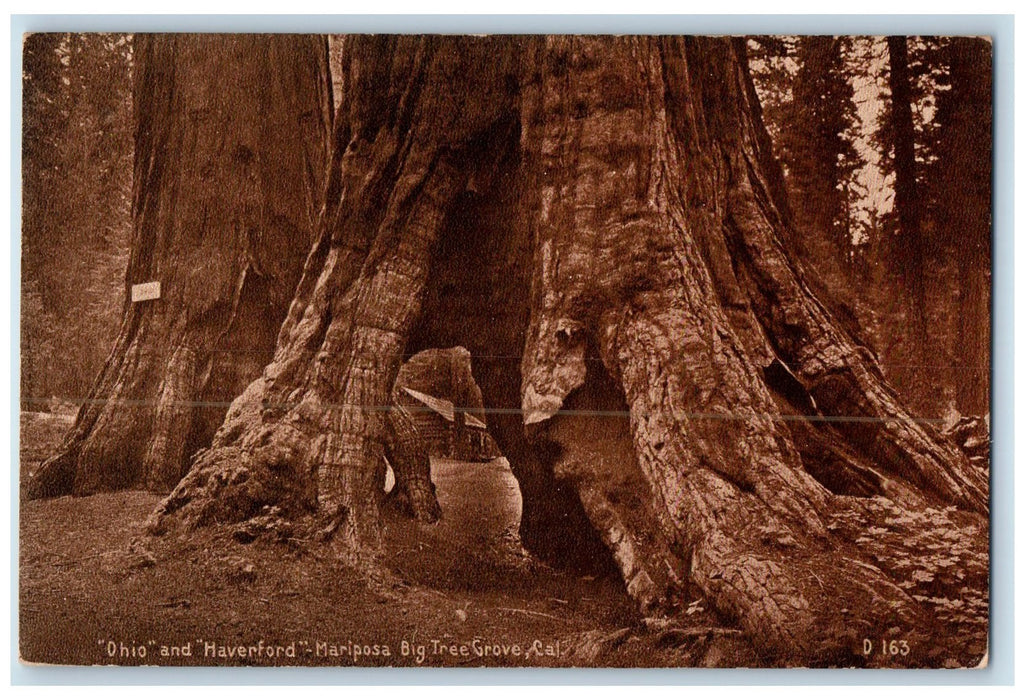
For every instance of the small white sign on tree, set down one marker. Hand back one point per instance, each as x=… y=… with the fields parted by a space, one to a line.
x=145 y=291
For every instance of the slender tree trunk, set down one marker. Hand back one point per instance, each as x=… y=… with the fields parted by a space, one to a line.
x=44 y=117
x=908 y=248
x=671 y=396
x=230 y=159
x=966 y=210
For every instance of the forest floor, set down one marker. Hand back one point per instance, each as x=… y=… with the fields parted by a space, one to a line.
x=462 y=592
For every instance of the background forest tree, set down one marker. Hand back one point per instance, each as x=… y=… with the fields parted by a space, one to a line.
x=76 y=209
x=911 y=295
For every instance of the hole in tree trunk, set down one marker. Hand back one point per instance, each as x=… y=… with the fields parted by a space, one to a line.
x=477 y=297
x=476 y=545
x=820 y=446
x=587 y=449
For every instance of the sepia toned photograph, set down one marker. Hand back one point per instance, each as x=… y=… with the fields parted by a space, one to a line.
x=419 y=350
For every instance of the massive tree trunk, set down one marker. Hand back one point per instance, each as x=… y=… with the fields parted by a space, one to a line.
x=599 y=221
x=230 y=159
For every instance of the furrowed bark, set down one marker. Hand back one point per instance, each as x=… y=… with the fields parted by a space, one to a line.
x=413 y=492
x=414 y=128
x=658 y=242
x=599 y=222
x=230 y=159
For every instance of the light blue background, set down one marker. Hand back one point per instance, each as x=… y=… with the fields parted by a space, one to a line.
x=1000 y=27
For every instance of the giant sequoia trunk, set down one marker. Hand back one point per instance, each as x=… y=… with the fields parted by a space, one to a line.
x=598 y=220
x=230 y=159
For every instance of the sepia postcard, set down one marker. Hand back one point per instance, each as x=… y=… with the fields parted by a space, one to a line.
x=505 y=350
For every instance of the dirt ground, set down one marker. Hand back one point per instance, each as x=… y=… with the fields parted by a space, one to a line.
x=463 y=592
